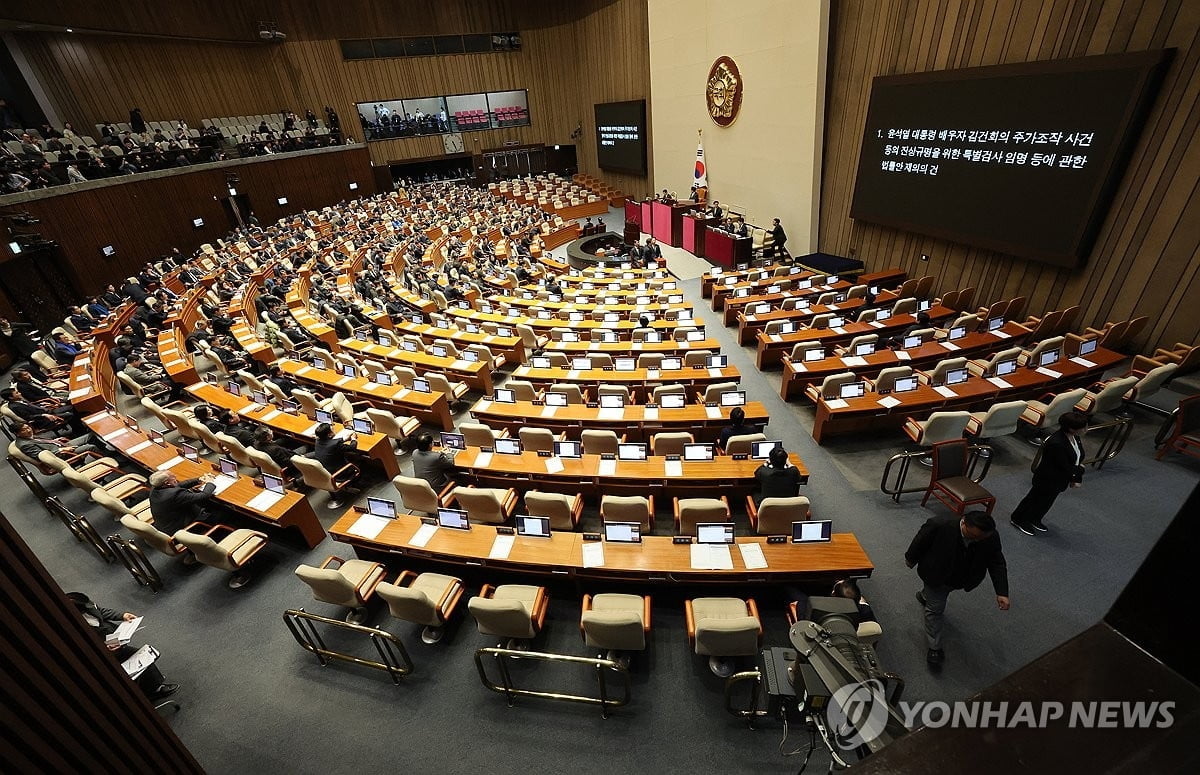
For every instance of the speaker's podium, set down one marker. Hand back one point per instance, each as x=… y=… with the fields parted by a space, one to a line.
x=668 y=222
x=695 y=224
x=724 y=249
x=647 y=221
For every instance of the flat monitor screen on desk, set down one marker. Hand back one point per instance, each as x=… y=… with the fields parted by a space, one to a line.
x=534 y=527
x=581 y=364
x=453 y=518
x=716 y=361
x=812 y=531
x=803 y=284
x=995 y=324
x=318 y=363
x=359 y=425
x=381 y=507
x=714 y=533
x=814 y=354
x=289 y=406
x=695 y=336
x=348 y=371
x=189 y=452
x=905 y=384
x=685 y=315
x=1048 y=357
x=624 y=364
x=958 y=332
x=504 y=396
x=502 y=331
x=836 y=322
x=421 y=385
x=555 y=399
x=761 y=450
x=608 y=337
x=672 y=401
x=867 y=348
x=324 y=416
x=612 y=402
x=631 y=452
x=787 y=328
x=453 y=441
x=698 y=452
x=612 y=317
x=272 y=483
x=437 y=351
x=508 y=446
x=576 y=317
x=956 y=376
x=623 y=532
x=228 y=467
x=853 y=390
x=832 y=280
x=882 y=315
x=653 y=337
x=570 y=337
x=540 y=362
x=924 y=305
x=1088 y=346
x=383 y=378
x=568 y=449
x=262 y=399
x=1006 y=367
x=234 y=388
x=912 y=341
x=733 y=398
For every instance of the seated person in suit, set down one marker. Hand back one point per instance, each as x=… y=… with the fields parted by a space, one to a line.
x=146 y=376
x=64 y=350
x=437 y=468
x=204 y=416
x=233 y=426
x=33 y=389
x=55 y=416
x=777 y=478
x=174 y=504
x=264 y=441
x=60 y=446
x=737 y=427
x=331 y=451
x=105 y=621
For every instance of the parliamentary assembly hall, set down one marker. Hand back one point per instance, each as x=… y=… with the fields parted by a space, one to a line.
x=599 y=386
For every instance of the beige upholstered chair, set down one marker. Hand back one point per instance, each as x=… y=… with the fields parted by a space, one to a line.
x=1030 y=356
x=349 y=583
x=693 y=358
x=941 y=426
x=981 y=367
x=335 y=483
x=774 y=516
x=800 y=348
x=885 y=381
x=713 y=393
x=530 y=339
x=152 y=536
x=428 y=599
x=650 y=361
x=667 y=390
x=600 y=442
x=207 y=437
x=537 y=439
x=691 y=511
x=439 y=384
x=480 y=435
x=830 y=386
x=232 y=553
x=1043 y=416
x=486 y=505
x=515 y=612
x=573 y=393
x=417 y=495
x=669 y=443
x=904 y=307
x=743 y=445
x=264 y=462
x=1152 y=381
x=615 y=622
x=522 y=390
x=1000 y=419
x=564 y=511
x=720 y=627
x=614 y=390
x=937 y=375
x=119 y=508
x=628 y=508
x=395 y=428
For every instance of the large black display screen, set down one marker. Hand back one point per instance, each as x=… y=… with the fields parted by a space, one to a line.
x=1022 y=158
x=621 y=136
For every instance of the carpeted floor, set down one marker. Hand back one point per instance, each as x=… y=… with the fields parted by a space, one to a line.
x=254 y=702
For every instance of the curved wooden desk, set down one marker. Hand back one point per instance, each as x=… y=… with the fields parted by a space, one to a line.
x=640 y=382
x=655 y=560
x=432 y=408
x=771 y=349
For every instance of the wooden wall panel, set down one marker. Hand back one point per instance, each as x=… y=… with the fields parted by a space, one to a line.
x=1146 y=260
x=143 y=218
x=573 y=55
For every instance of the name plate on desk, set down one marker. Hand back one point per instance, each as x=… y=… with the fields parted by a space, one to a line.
x=681 y=539
x=950 y=345
x=777 y=539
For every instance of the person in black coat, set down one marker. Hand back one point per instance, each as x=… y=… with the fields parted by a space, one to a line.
x=777 y=478
x=950 y=553
x=737 y=427
x=778 y=238
x=17 y=336
x=330 y=451
x=173 y=503
x=1060 y=467
x=105 y=621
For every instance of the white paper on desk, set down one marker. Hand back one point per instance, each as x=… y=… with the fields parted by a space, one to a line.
x=593 y=554
x=222 y=483
x=1081 y=361
x=949 y=345
x=85 y=377
x=673 y=467
x=343 y=381
x=489 y=338
x=136 y=448
x=652 y=373
x=713 y=412
x=903 y=356
x=113 y=434
x=711 y=557
x=483 y=404
x=683 y=345
x=650 y=413
x=1051 y=373
x=310 y=430
x=999 y=334
x=172 y=363
x=343 y=434
x=572 y=374
x=752 y=556
x=607 y=468
x=423 y=535
x=370 y=385
x=396 y=353
x=80 y=393
x=836 y=403
x=84 y=361
x=400 y=393
x=304 y=370
x=945 y=391
x=125 y=630
x=775 y=337
x=368 y=526
x=838 y=330
x=483 y=459
x=264 y=501
x=887 y=402
x=799 y=366
x=999 y=382
x=501 y=547
x=139 y=661
x=169 y=463
x=714 y=372
x=854 y=360
x=610 y=414
x=548 y=411
x=520 y=371
x=271 y=415
x=635 y=345
x=877 y=324
x=554 y=464
x=460 y=364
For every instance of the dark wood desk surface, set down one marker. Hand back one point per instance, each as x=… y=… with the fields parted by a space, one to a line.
x=655 y=560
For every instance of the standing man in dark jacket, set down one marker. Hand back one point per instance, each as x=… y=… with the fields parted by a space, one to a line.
x=1060 y=467
x=951 y=553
